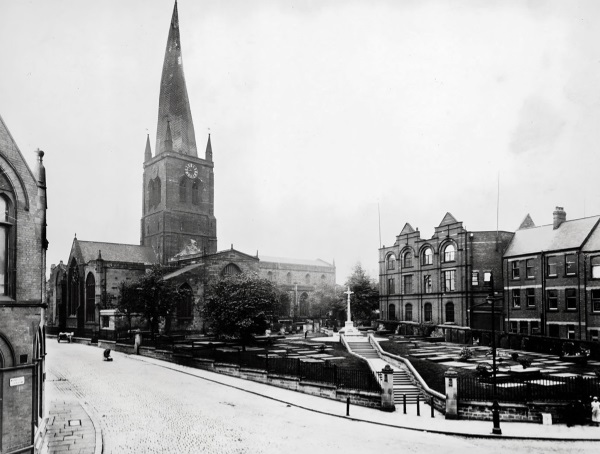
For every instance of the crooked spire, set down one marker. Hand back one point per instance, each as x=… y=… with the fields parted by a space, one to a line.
x=174 y=106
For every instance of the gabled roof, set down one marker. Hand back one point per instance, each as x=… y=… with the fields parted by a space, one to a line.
x=407 y=229
x=448 y=219
x=527 y=223
x=288 y=261
x=87 y=251
x=569 y=235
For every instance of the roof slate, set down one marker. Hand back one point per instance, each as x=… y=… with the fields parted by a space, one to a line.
x=318 y=262
x=569 y=235
x=117 y=252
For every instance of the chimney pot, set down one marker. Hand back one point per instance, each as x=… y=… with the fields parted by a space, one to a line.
x=559 y=216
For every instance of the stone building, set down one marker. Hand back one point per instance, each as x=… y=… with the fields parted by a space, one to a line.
x=442 y=280
x=178 y=228
x=77 y=292
x=23 y=246
x=300 y=278
x=552 y=278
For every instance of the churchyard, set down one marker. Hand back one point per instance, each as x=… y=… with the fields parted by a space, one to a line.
x=519 y=375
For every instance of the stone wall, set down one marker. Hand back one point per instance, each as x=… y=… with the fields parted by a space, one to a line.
x=362 y=398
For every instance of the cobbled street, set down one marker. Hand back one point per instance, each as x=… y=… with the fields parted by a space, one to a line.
x=145 y=408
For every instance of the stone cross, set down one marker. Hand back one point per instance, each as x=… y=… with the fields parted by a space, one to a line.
x=349 y=293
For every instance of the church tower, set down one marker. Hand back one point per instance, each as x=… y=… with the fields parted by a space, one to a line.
x=178 y=194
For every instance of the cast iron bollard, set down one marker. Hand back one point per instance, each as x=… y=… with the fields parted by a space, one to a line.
x=347 y=406
x=404 y=402
x=432 y=409
x=418 y=405
x=496 y=418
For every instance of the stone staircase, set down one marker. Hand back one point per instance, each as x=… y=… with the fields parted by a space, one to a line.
x=364 y=349
x=403 y=385
x=402 y=382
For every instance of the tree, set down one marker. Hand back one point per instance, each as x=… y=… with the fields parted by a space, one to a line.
x=152 y=297
x=240 y=305
x=325 y=301
x=365 y=299
x=128 y=303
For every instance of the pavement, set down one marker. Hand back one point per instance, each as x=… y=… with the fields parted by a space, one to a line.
x=72 y=428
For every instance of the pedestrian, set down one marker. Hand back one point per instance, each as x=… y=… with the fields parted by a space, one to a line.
x=595 y=411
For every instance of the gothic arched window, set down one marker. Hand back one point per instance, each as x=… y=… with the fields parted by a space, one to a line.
x=90 y=298
x=157 y=191
x=183 y=189
x=6 y=245
x=195 y=193
x=151 y=194
x=231 y=269
x=73 y=288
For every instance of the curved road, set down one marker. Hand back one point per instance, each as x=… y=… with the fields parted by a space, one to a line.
x=145 y=408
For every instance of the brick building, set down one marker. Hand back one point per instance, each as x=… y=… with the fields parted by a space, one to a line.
x=552 y=278
x=23 y=246
x=178 y=228
x=443 y=280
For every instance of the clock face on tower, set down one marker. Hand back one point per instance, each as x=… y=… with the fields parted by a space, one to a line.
x=191 y=170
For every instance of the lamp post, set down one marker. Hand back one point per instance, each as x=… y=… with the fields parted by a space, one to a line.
x=488 y=278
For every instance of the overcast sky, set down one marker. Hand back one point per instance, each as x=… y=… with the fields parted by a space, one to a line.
x=319 y=112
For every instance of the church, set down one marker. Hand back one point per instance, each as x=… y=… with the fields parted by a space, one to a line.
x=178 y=230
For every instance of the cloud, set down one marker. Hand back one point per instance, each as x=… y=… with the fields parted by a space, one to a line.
x=538 y=126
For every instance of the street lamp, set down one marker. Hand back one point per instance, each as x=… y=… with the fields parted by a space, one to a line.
x=488 y=278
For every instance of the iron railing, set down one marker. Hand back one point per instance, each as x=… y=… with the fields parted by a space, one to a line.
x=542 y=388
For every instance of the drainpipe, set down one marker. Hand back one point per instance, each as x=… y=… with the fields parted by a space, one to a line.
x=585 y=257
x=543 y=313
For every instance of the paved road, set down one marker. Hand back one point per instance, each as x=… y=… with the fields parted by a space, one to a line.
x=144 y=408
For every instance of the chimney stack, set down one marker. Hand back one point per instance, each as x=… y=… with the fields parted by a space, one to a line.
x=559 y=217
